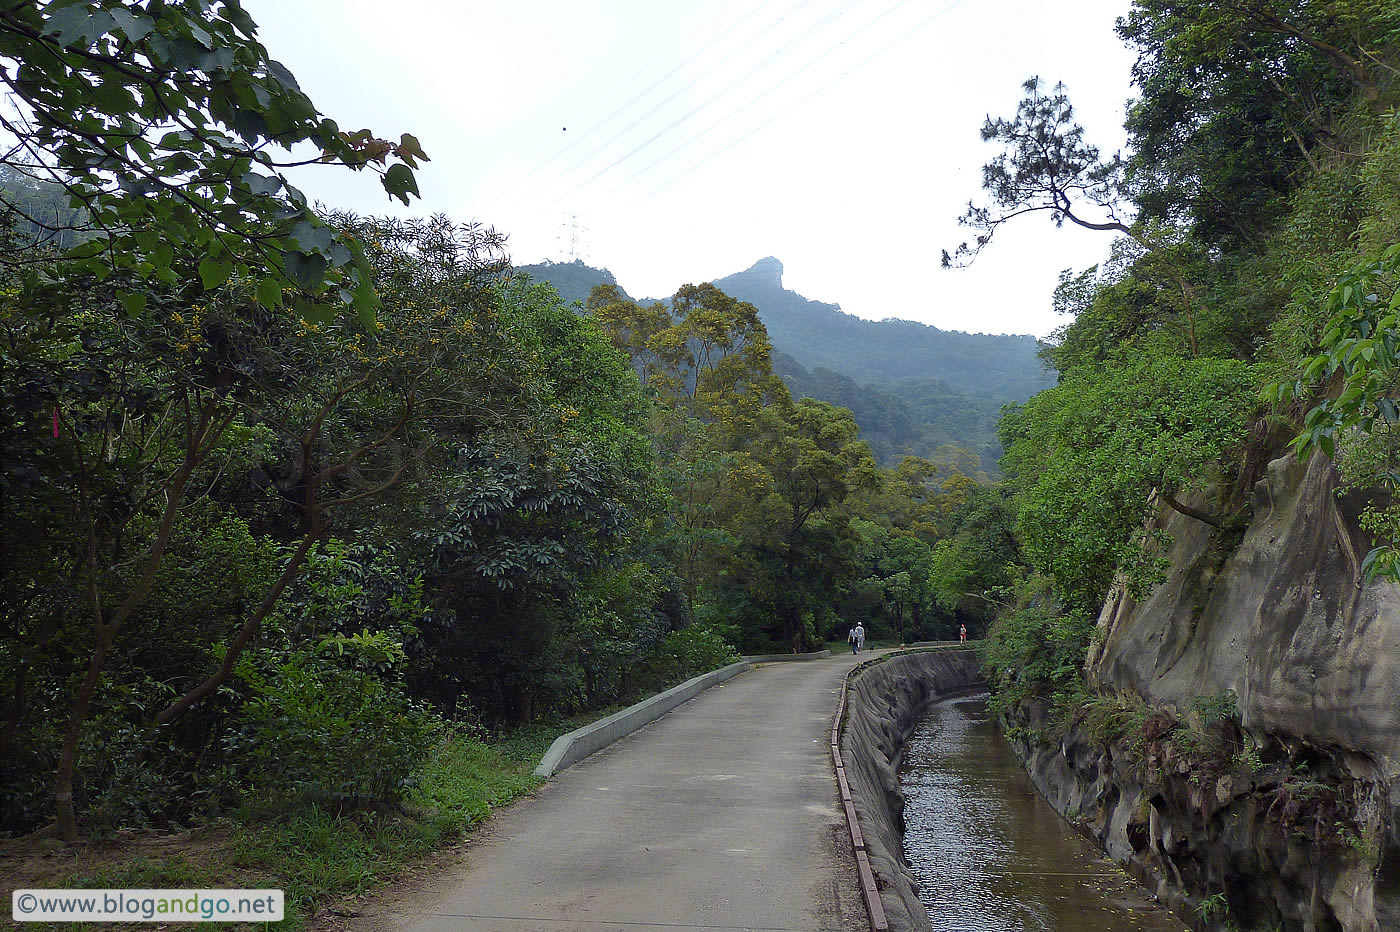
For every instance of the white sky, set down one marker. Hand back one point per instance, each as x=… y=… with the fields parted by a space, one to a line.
x=839 y=135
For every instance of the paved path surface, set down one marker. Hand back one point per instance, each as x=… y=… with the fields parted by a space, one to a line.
x=721 y=815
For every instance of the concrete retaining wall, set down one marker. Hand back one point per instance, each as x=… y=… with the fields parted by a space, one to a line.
x=573 y=747
x=885 y=700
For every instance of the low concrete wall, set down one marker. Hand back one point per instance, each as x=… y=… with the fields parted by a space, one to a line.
x=885 y=699
x=573 y=747
x=781 y=658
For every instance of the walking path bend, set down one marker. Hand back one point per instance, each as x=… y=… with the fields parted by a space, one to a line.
x=721 y=815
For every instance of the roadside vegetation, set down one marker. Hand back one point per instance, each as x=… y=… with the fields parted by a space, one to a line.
x=321 y=857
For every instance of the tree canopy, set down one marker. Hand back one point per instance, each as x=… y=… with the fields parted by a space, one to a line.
x=170 y=127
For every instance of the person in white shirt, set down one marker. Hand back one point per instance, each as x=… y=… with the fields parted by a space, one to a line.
x=860 y=637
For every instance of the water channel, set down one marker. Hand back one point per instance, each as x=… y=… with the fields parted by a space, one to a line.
x=989 y=853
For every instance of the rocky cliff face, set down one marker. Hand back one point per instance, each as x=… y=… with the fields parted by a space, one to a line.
x=885 y=702
x=1291 y=816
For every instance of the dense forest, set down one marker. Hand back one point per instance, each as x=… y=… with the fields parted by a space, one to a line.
x=290 y=495
x=914 y=389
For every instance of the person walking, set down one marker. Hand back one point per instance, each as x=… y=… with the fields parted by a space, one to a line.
x=860 y=637
x=851 y=639
x=962 y=633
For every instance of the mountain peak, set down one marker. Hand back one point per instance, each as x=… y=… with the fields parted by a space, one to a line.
x=769 y=271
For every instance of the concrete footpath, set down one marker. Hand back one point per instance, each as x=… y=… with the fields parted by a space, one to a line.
x=723 y=814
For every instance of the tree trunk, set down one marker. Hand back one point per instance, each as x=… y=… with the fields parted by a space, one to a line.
x=240 y=641
x=15 y=710
x=65 y=815
x=1188 y=510
x=199 y=441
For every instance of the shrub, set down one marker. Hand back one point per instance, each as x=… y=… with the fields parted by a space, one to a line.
x=685 y=653
x=327 y=718
x=1038 y=651
x=318 y=729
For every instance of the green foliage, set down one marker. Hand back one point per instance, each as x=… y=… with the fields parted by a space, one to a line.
x=1360 y=342
x=685 y=653
x=1044 y=165
x=972 y=566
x=1213 y=906
x=705 y=354
x=327 y=725
x=158 y=122
x=1120 y=311
x=878 y=369
x=1238 y=98
x=1211 y=710
x=1087 y=455
x=327 y=718
x=814 y=461
x=1036 y=651
x=1118 y=719
x=1359 y=347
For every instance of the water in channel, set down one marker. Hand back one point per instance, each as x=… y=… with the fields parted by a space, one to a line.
x=989 y=854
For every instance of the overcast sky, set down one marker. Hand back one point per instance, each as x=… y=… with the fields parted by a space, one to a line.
x=690 y=139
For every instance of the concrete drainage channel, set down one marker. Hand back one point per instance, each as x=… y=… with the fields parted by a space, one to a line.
x=881 y=701
x=569 y=749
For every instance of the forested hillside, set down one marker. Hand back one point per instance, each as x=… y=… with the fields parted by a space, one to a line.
x=912 y=388
x=573 y=280
x=922 y=417
x=888 y=352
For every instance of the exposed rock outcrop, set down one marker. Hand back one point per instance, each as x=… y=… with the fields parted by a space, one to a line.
x=1298 y=830
x=1284 y=621
x=884 y=704
x=1287 y=843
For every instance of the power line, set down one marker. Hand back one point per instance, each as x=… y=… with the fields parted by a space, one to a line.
x=715 y=40
x=802 y=100
x=831 y=16
x=735 y=51
x=756 y=99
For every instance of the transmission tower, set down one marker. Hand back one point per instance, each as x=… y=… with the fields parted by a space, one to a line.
x=572 y=240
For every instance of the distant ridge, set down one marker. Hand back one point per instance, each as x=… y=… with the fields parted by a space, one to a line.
x=887 y=352
x=912 y=387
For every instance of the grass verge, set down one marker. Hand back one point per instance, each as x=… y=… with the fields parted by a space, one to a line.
x=315 y=856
